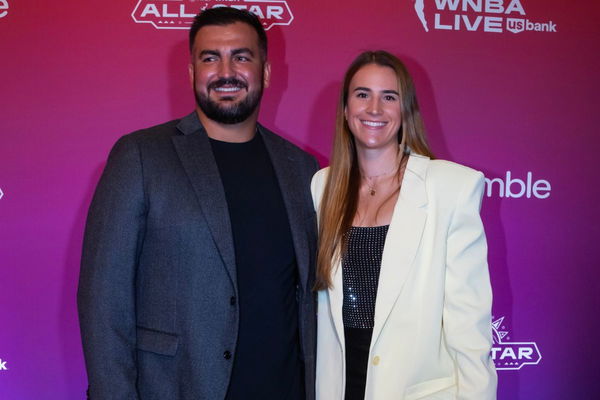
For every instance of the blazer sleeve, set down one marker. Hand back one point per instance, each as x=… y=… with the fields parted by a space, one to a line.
x=106 y=293
x=468 y=296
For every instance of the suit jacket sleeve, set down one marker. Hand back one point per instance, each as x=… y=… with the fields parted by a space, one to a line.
x=468 y=297
x=106 y=294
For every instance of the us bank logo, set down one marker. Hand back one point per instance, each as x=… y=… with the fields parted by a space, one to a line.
x=508 y=355
x=497 y=16
x=179 y=14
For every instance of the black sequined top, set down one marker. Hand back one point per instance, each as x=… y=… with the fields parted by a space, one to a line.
x=360 y=274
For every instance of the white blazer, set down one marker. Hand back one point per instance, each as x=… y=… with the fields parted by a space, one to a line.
x=432 y=335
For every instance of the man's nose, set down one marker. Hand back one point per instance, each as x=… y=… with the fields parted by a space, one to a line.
x=226 y=69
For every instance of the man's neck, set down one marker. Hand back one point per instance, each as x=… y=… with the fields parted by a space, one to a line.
x=233 y=133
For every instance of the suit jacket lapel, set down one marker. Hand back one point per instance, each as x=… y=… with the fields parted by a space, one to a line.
x=402 y=241
x=195 y=153
x=285 y=170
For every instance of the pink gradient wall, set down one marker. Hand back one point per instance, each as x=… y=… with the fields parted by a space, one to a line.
x=76 y=75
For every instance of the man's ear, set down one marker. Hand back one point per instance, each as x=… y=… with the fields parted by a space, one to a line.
x=267 y=74
x=191 y=74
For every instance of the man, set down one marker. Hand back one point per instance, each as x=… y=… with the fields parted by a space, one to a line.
x=198 y=256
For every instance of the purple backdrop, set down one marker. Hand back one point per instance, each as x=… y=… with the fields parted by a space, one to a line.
x=508 y=87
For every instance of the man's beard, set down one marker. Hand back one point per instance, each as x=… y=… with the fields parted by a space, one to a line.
x=233 y=114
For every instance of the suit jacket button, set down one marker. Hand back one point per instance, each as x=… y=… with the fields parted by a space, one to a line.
x=376 y=360
x=232 y=300
x=227 y=355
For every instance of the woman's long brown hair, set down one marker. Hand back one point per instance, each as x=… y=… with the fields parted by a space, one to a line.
x=340 y=196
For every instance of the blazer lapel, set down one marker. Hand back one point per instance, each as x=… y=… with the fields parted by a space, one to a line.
x=285 y=170
x=195 y=153
x=402 y=241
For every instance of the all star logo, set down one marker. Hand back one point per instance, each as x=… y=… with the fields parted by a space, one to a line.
x=179 y=14
x=508 y=355
x=495 y=16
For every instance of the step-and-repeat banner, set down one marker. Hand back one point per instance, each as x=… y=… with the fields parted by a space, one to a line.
x=509 y=87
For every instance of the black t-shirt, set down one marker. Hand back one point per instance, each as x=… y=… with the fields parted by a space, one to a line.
x=267 y=362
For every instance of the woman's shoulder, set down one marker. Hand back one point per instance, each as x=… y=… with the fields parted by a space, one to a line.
x=448 y=171
x=448 y=181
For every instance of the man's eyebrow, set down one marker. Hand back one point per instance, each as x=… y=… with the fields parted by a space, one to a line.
x=210 y=53
x=242 y=50
x=363 y=89
x=234 y=52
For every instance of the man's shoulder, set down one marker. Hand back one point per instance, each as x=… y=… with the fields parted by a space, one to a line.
x=156 y=132
x=285 y=145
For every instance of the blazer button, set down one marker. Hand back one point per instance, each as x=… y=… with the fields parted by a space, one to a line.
x=232 y=300
x=227 y=355
x=376 y=360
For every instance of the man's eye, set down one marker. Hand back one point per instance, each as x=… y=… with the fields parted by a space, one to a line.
x=242 y=58
x=208 y=59
x=389 y=98
x=361 y=95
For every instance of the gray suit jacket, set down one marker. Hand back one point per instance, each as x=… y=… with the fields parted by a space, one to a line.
x=158 y=266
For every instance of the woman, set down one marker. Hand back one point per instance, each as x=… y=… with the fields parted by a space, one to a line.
x=404 y=291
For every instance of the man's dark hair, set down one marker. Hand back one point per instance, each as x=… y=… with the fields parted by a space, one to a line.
x=222 y=16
